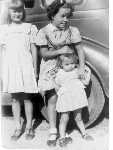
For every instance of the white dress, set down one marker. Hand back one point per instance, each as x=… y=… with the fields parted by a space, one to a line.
x=71 y=94
x=57 y=37
x=17 y=63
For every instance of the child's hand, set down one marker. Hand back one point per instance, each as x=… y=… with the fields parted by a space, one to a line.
x=52 y=73
x=87 y=76
x=81 y=73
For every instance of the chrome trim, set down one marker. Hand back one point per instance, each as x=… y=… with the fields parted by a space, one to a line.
x=95 y=42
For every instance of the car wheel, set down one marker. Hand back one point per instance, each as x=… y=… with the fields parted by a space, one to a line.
x=96 y=100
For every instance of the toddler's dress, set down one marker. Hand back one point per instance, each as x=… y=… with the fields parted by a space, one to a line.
x=57 y=37
x=71 y=94
x=17 y=62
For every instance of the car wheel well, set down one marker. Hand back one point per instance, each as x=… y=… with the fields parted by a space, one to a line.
x=97 y=75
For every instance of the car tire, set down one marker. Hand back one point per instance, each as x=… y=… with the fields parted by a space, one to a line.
x=96 y=101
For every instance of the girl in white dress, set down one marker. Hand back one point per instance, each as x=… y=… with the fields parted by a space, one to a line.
x=19 y=68
x=71 y=95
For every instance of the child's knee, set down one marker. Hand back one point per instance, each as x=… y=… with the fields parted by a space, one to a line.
x=78 y=117
x=64 y=117
x=14 y=100
x=52 y=100
x=28 y=101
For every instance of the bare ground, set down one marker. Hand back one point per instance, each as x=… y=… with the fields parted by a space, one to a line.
x=100 y=133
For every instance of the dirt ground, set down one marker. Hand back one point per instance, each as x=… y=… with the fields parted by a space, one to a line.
x=100 y=133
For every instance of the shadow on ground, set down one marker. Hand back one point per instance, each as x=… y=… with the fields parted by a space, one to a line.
x=39 y=113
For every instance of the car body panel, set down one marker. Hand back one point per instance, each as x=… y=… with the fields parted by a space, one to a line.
x=100 y=66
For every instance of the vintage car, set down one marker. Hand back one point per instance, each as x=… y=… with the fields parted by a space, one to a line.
x=91 y=17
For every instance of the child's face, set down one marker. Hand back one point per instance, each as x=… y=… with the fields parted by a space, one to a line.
x=16 y=15
x=68 y=64
x=61 y=19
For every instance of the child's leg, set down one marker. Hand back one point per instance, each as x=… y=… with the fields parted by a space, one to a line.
x=52 y=98
x=63 y=124
x=28 y=112
x=64 y=140
x=79 y=121
x=81 y=126
x=16 y=109
x=29 y=132
x=52 y=111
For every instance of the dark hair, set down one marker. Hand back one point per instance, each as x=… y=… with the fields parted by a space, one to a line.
x=53 y=9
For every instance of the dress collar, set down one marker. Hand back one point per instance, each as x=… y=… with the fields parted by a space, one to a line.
x=53 y=27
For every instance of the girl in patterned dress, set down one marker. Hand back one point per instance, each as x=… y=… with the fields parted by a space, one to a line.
x=51 y=40
x=19 y=68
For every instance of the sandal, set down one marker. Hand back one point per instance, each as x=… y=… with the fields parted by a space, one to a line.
x=63 y=142
x=68 y=140
x=87 y=137
x=29 y=134
x=16 y=135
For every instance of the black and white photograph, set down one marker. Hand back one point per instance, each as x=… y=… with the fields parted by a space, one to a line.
x=54 y=74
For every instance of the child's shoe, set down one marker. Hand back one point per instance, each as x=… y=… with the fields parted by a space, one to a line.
x=52 y=142
x=16 y=135
x=68 y=140
x=29 y=134
x=87 y=137
x=64 y=141
x=53 y=136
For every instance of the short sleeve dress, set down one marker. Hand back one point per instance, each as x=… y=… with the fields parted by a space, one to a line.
x=51 y=36
x=71 y=94
x=17 y=62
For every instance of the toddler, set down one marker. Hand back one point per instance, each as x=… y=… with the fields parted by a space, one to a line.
x=71 y=95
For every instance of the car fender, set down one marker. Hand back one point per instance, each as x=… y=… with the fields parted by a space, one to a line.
x=97 y=57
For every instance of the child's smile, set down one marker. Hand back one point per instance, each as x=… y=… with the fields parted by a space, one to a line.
x=16 y=15
x=61 y=19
